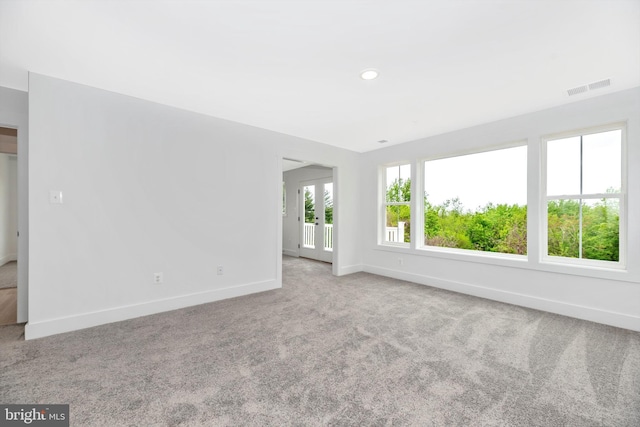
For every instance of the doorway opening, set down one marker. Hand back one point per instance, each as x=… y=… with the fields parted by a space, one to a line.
x=308 y=220
x=316 y=221
x=8 y=226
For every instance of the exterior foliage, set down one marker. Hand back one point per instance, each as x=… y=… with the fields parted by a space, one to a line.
x=493 y=228
x=309 y=207
x=600 y=229
x=503 y=228
x=400 y=191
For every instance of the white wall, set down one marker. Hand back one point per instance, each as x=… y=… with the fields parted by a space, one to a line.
x=8 y=208
x=290 y=224
x=149 y=188
x=14 y=113
x=602 y=296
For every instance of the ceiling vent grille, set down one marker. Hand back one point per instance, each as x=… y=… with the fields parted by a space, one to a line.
x=577 y=90
x=590 y=86
x=601 y=83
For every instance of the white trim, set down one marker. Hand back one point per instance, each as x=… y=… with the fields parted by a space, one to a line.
x=419 y=206
x=317 y=252
x=543 y=257
x=590 y=130
x=591 y=196
x=86 y=320
x=290 y=252
x=16 y=117
x=350 y=269
x=382 y=203
x=619 y=320
x=599 y=271
x=583 y=262
x=8 y=258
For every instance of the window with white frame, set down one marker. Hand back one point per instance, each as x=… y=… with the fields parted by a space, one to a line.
x=584 y=199
x=477 y=201
x=397 y=204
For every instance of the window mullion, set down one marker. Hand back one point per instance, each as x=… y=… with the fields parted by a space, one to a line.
x=580 y=206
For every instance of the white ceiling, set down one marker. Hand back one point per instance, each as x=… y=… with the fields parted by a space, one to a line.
x=293 y=66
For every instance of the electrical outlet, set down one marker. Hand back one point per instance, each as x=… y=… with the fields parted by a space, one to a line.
x=220 y=270
x=158 y=278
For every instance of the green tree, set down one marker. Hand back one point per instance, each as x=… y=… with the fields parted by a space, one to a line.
x=493 y=228
x=328 y=208
x=600 y=229
x=399 y=191
x=309 y=206
x=563 y=235
x=601 y=235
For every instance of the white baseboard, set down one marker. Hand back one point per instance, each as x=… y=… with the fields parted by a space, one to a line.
x=350 y=269
x=8 y=258
x=619 y=320
x=290 y=252
x=86 y=320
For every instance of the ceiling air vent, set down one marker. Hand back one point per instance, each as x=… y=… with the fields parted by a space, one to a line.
x=590 y=86
x=577 y=90
x=601 y=83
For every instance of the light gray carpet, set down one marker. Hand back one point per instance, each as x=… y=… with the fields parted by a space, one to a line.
x=9 y=275
x=355 y=350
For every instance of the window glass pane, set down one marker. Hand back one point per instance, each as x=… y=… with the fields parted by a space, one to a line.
x=601 y=169
x=563 y=166
x=328 y=203
x=393 y=177
x=398 y=224
x=309 y=231
x=328 y=217
x=601 y=229
x=309 y=203
x=398 y=186
x=585 y=227
x=563 y=218
x=478 y=201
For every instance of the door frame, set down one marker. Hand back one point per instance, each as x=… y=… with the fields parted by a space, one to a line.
x=14 y=113
x=319 y=252
x=291 y=196
x=22 y=204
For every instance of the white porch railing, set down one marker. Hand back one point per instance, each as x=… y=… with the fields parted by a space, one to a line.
x=309 y=238
x=395 y=234
x=328 y=237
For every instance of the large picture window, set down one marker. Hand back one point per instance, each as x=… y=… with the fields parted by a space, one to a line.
x=584 y=196
x=397 y=204
x=477 y=201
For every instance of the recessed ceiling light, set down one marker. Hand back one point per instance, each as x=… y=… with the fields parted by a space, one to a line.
x=369 y=74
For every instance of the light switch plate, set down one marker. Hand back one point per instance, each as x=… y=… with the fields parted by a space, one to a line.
x=55 y=197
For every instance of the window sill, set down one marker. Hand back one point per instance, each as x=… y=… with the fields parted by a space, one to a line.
x=507 y=260
x=517 y=261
